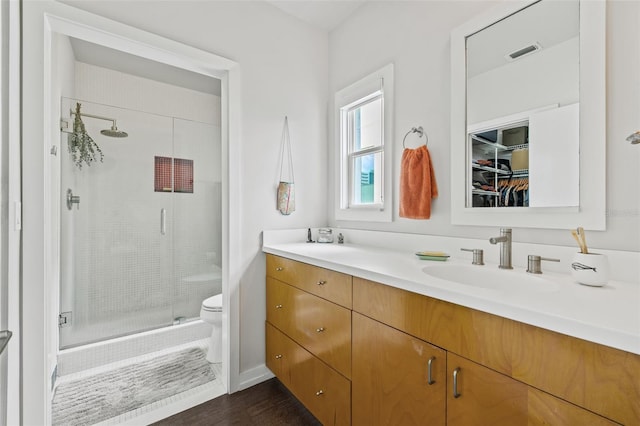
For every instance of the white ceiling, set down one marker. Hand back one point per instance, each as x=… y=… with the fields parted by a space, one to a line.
x=323 y=14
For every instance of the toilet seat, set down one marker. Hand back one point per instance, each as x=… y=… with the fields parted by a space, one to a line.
x=213 y=304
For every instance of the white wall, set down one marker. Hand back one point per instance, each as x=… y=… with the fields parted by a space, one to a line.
x=415 y=36
x=283 y=64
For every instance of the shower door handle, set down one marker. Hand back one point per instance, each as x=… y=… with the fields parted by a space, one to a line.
x=163 y=221
x=72 y=199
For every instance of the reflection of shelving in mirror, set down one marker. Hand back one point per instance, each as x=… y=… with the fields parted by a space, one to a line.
x=499 y=165
x=481 y=142
x=490 y=169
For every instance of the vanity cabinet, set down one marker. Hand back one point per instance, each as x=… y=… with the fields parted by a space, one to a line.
x=370 y=363
x=397 y=378
x=308 y=336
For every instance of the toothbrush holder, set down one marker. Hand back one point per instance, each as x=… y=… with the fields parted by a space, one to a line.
x=590 y=269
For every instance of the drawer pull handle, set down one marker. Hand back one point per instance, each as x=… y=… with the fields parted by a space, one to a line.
x=321 y=282
x=278 y=356
x=279 y=268
x=455 y=383
x=320 y=392
x=320 y=330
x=278 y=306
x=430 y=380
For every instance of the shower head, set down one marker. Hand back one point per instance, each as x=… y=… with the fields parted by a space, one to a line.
x=114 y=132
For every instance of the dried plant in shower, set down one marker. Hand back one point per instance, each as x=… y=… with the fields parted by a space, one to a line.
x=81 y=146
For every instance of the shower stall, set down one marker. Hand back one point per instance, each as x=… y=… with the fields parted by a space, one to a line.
x=140 y=226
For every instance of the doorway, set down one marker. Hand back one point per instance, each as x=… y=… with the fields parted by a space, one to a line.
x=41 y=113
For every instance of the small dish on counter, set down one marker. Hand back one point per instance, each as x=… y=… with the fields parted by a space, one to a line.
x=432 y=255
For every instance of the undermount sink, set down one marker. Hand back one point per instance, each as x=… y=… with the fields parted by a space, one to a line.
x=486 y=277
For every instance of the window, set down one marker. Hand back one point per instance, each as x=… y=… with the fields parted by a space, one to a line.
x=364 y=154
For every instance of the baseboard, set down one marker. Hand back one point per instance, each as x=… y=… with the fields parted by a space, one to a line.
x=254 y=376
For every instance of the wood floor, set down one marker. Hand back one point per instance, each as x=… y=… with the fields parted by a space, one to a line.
x=266 y=404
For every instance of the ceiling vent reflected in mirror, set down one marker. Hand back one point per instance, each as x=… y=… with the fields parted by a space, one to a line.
x=527 y=50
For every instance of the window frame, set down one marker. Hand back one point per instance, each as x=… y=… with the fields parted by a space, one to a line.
x=376 y=85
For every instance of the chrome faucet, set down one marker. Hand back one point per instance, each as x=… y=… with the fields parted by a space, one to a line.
x=505 y=250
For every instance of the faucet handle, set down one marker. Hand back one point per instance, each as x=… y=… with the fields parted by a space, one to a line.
x=478 y=256
x=534 y=263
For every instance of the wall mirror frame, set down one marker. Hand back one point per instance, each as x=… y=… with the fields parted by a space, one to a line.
x=591 y=212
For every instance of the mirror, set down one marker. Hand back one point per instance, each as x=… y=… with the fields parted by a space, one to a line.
x=522 y=109
x=527 y=119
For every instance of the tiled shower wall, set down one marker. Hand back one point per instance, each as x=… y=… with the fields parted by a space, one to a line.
x=121 y=273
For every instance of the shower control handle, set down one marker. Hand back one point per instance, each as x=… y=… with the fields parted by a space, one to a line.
x=72 y=199
x=163 y=221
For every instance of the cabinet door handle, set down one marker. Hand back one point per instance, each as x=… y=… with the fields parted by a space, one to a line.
x=430 y=380
x=278 y=306
x=455 y=382
x=279 y=268
x=278 y=356
x=320 y=330
x=321 y=282
x=320 y=392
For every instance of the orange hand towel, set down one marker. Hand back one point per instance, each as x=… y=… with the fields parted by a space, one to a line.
x=417 y=183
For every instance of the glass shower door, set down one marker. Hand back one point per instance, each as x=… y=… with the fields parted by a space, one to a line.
x=197 y=218
x=116 y=243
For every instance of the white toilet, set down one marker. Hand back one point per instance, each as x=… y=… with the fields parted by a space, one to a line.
x=211 y=312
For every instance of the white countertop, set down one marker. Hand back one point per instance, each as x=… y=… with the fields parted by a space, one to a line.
x=609 y=315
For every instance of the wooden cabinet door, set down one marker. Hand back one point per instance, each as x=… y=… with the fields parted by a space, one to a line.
x=480 y=396
x=390 y=377
x=599 y=378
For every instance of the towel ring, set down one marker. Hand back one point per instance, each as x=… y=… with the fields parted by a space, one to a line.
x=420 y=132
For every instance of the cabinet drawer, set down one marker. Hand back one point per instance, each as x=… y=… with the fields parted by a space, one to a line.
x=322 y=327
x=322 y=390
x=279 y=349
x=330 y=285
x=434 y=321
